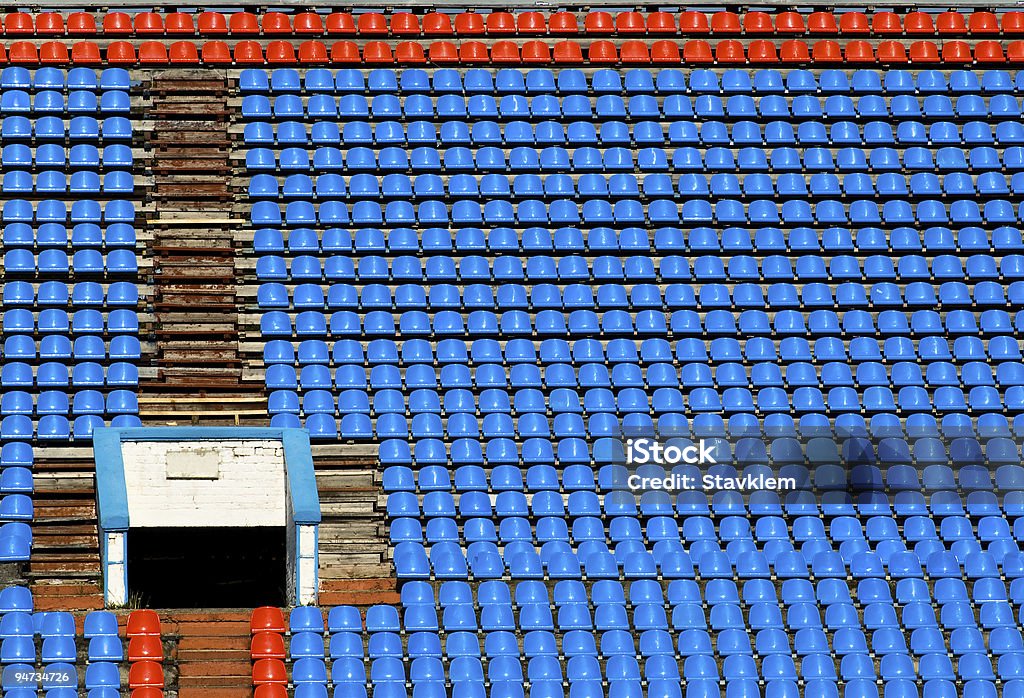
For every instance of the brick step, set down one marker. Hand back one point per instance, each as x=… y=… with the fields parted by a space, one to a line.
x=201 y=656
x=193 y=643
x=221 y=692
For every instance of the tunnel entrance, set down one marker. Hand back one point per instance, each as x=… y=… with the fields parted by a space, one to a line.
x=203 y=567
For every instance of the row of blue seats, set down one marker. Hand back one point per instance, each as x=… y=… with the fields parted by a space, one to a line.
x=80 y=402
x=1009 y=477
x=58 y=182
x=976 y=135
x=53 y=128
x=56 y=211
x=16 y=374
x=56 y=320
x=631 y=212
x=690 y=350
x=20 y=78
x=604 y=81
x=585 y=158
x=816 y=294
x=57 y=347
x=79 y=294
x=652 y=186
x=699 y=239
x=82 y=235
x=80 y=156
x=635 y=268
x=637 y=107
x=52 y=101
x=54 y=428
x=56 y=261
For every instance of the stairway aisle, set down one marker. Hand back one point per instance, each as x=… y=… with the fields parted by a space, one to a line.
x=210 y=654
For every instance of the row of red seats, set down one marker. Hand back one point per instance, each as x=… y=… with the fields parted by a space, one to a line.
x=269 y=674
x=696 y=52
x=402 y=24
x=145 y=654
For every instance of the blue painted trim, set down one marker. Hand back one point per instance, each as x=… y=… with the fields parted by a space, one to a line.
x=298 y=460
x=199 y=433
x=111 y=490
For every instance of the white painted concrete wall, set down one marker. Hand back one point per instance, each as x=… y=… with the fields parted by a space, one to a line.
x=205 y=483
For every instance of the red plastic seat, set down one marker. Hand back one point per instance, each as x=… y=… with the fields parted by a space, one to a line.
x=152 y=53
x=179 y=23
x=81 y=23
x=1013 y=23
x=634 y=52
x=280 y=52
x=859 y=51
x=437 y=24
x=531 y=23
x=248 y=53
x=243 y=23
x=469 y=24
x=854 y=23
x=918 y=23
x=989 y=52
x=602 y=52
x=794 y=51
x=698 y=52
x=340 y=23
x=598 y=23
x=827 y=51
x=951 y=23
x=886 y=23
x=630 y=23
x=501 y=23
x=665 y=53
x=892 y=52
x=983 y=23
x=181 y=52
x=1014 y=52
x=372 y=24
x=269 y=671
x=145 y=647
x=443 y=52
x=730 y=51
x=308 y=23
x=762 y=51
x=216 y=53
x=312 y=52
x=120 y=52
x=536 y=52
x=957 y=52
x=53 y=53
x=692 y=22
x=276 y=23
x=345 y=52
x=790 y=23
x=148 y=674
x=567 y=53
x=473 y=52
x=377 y=52
x=212 y=23
x=117 y=23
x=758 y=23
x=563 y=23
x=85 y=53
x=822 y=23
x=147 y=692
x=149 y=23
x=270 y=690
x=661 y=23
x=725 y=23
x=19 y=23
x=505 y=52
x=923 y=52
x=49 y=23
x=405 y=24
x=409 y=52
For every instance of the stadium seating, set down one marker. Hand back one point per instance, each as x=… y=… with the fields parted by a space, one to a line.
x=800 y=245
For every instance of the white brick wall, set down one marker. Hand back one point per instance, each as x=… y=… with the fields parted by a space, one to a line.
x=249 y=489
